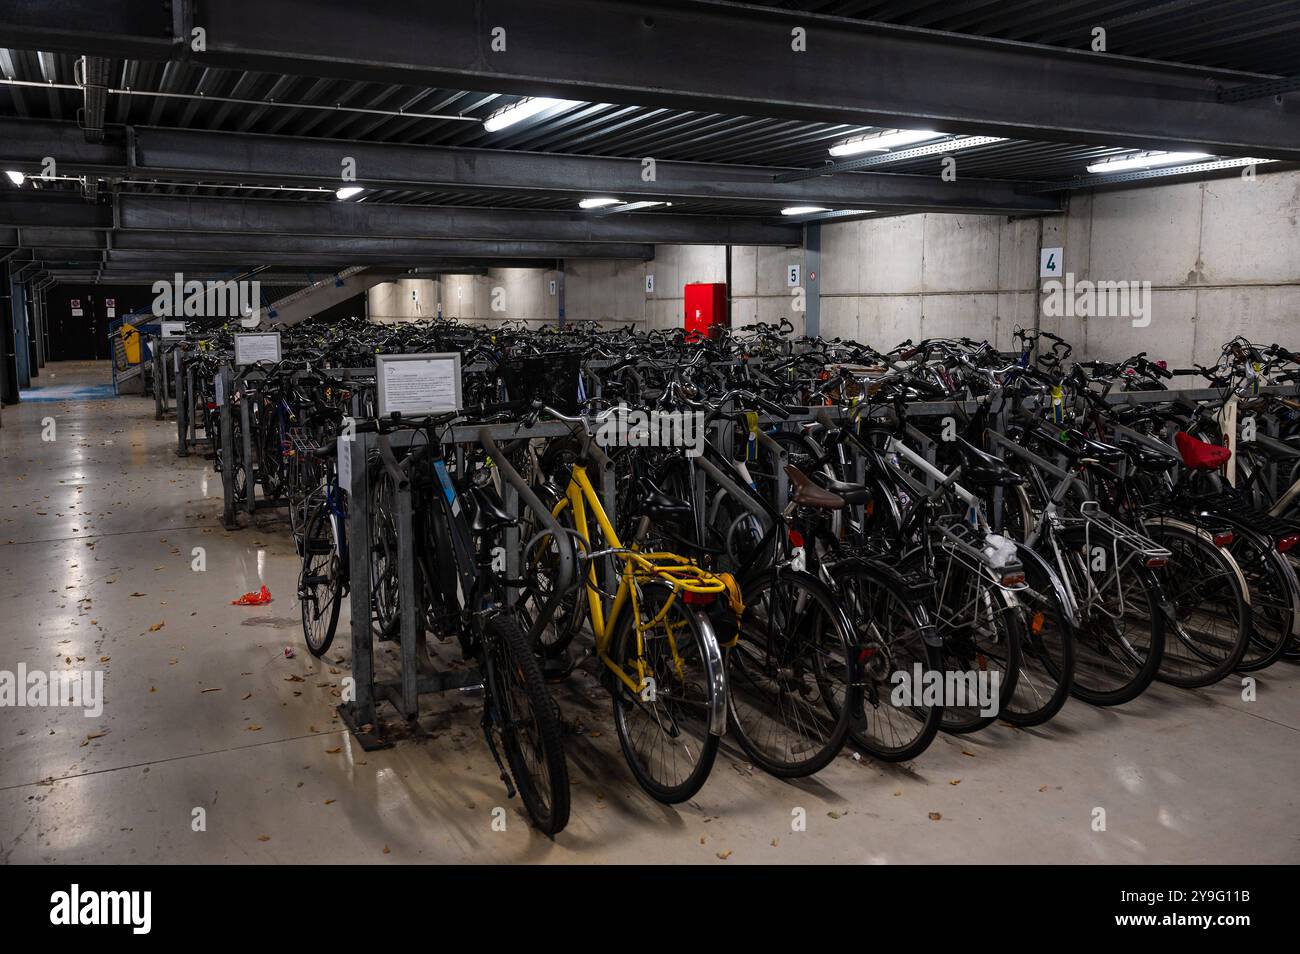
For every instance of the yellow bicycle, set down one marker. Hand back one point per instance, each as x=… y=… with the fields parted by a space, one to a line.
x=658 y=654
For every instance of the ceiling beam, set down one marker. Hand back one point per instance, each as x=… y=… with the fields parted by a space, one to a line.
x=700 y=55
x=331 y=217
x=217 y=156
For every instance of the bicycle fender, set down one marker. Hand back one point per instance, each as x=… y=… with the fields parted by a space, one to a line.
x=1028 y=556
x=716 y=673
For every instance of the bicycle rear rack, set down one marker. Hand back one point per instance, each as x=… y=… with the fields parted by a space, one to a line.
x=966 y=545
x=1091 y=515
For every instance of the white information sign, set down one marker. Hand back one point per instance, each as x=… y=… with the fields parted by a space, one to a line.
x=792 y=276
x=171 y=329
x=418 y=384
x=257 y=346
x=1051 y=262
x=345 y=464
x=649 y=284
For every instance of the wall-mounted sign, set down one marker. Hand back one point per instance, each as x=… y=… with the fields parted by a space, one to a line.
x=552 y=286
x=257 y=346
x=1051 y=262
x=649 y=284
x=171 y=329
x=792 y=276
x=76 y=307
x=418 y=384
x=110 y=307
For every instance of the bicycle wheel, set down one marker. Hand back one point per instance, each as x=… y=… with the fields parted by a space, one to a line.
x=892 y=636
x=665 y=730
x=382 y=527
x=320 y=583
x=1120 y=629
x=1046 y=650
x=540 y=568
x=791 y=694
x=1209 y=617
x=1274 y=598
x=981 y=630
x=527 y=722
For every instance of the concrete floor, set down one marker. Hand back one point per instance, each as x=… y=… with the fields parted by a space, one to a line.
x=96 y=535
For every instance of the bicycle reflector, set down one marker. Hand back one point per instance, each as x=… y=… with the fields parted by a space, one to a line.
x=697 y=599
x=1287 y=542
x=1223 y=538
x=1013 y=578
x=1156 y=562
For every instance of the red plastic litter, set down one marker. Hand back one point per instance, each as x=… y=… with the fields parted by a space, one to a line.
x=253 y=599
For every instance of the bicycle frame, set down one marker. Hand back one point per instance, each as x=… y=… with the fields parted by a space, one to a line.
x=682 y=575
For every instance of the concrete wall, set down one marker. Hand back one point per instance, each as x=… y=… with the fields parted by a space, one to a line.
x=1222 y=257
x=930 y=275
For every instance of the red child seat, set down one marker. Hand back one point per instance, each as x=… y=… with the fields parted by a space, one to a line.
x=1200 y=455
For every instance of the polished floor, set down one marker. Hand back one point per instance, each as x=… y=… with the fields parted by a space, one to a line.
x=212 y=746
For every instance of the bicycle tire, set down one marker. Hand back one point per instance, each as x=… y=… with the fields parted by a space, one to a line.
x=517 y=682
x=622 y=652
x=810 y=671
x=320 y=579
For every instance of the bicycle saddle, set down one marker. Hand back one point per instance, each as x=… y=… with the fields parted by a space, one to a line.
x=658 y=505
x=1271 y=447
x=984 y=470
x=808 y=494
x=489 y=514
x=852 y=493
x=1200 y=455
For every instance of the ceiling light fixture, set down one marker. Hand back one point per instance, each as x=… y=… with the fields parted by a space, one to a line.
x=803 y=210
x=901 y=137
x=518 y=112
x=347 y=192
x=598 y=202
x=16 y=178
x=1146 y=161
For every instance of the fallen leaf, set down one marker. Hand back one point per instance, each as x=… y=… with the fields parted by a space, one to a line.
x=254 y=727
x=724 y=855
x=387 y=850
x=334 y=751
x=263 y=837
x=213 y=689
x=935 y=816
x=247 y=696
x=1042 y=788
x=156 y=626
x=954 y=781
x=330 y=801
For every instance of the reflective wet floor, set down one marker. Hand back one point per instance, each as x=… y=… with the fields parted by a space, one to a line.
x=213 y=746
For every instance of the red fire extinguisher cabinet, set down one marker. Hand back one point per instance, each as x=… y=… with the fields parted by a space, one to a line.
x=706 y=307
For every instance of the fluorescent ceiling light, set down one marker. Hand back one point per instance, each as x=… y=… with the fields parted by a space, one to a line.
x=517 y=112
x=903 y=137
x=1146 y=161
x=642 y=204
x=598 y=202
x=16 y=177
x=347 y=192
x=803 y=210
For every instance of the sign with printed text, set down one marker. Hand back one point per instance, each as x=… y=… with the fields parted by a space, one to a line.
x=553 y=286
x=649 y=284
x=345 y=463
x=257 y=346
x=792 y=276
x=75 y=304
x=171 y=329
x=1051 y=262
x=418 y=384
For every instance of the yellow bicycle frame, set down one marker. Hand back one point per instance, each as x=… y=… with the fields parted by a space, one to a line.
x=680 y=572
